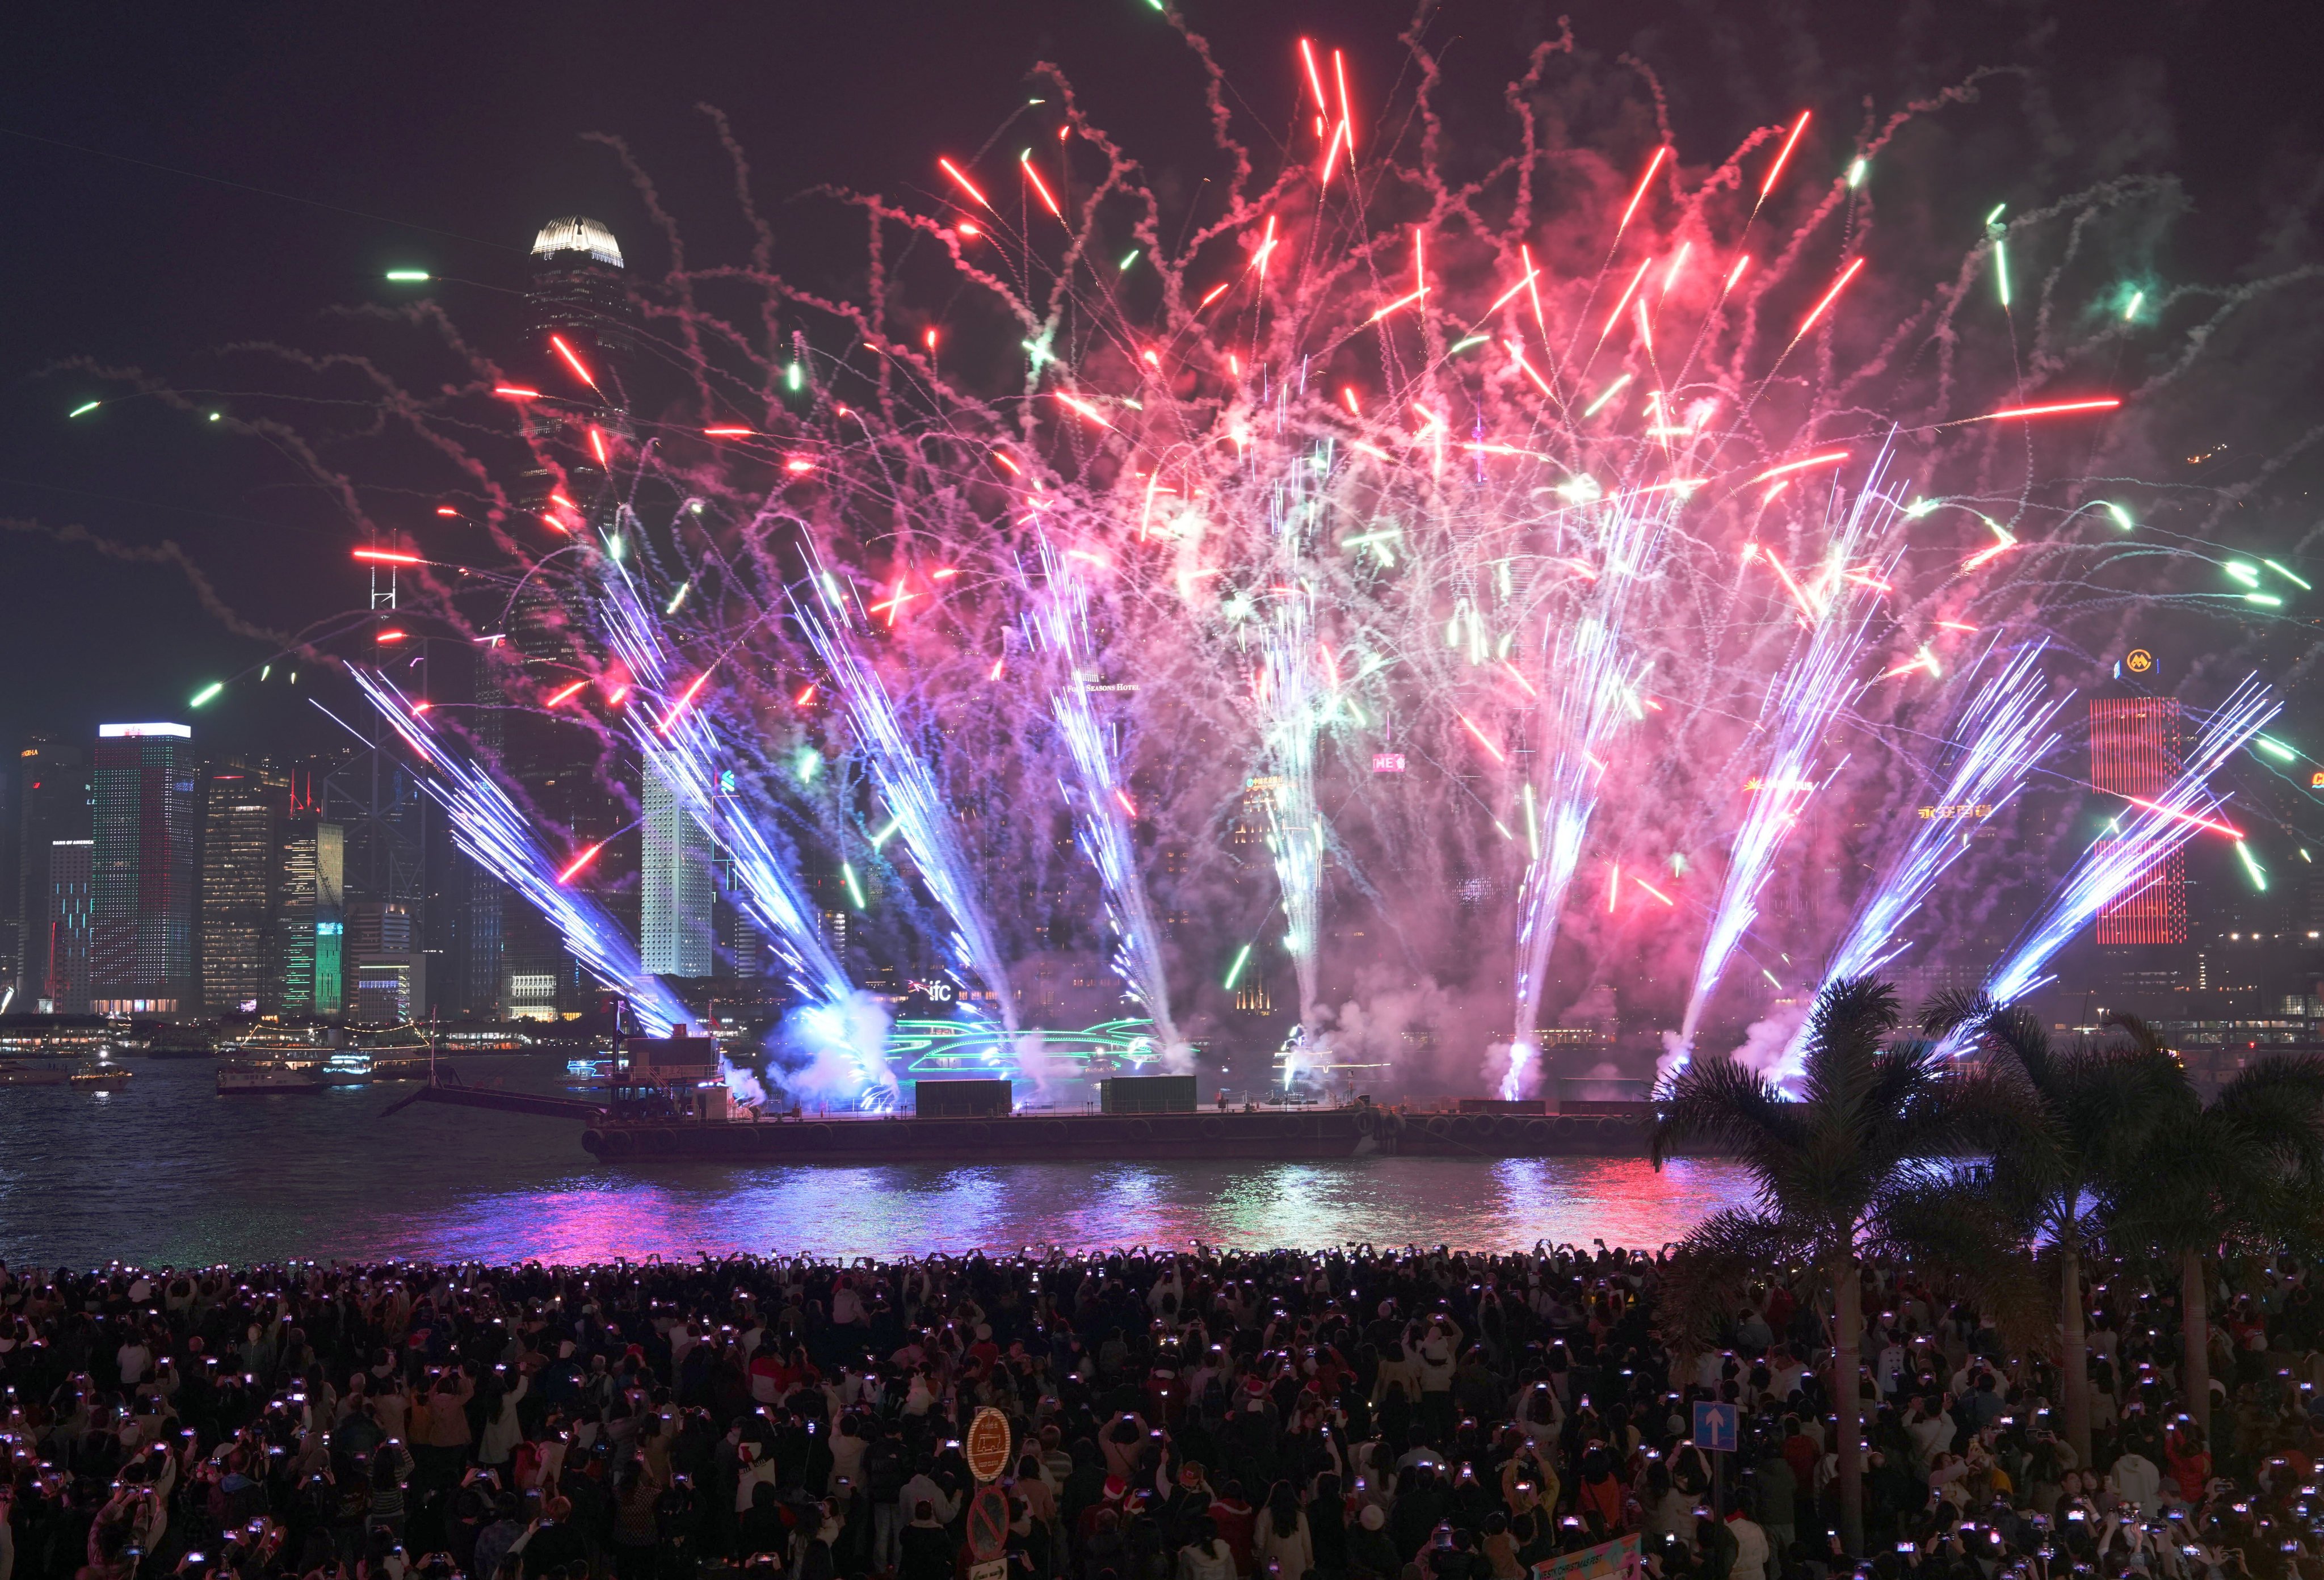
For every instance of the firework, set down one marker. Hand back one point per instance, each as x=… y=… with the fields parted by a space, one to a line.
x=681 y=751
x=1106 y=810
x=916 y=808
x=2003 y=733
x=1433 y=544
x=491 y=833
x=2129 y=853
x=1798 y=714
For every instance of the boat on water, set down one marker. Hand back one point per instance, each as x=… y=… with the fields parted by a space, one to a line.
x=666 y=1099
x=164 y=1039
x=399 y=1053
x=269 y=1042
x=260 y=1078
x=291 y=1058
x=103 y=1077
x=13 y=1074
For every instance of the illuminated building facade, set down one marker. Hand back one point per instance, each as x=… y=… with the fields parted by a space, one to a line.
x=675 y=925
x=310 y=918
x=52 y=804
x=67 y=927
x=144 y=825
x=578 y=285
x=386 y=971
x=2135 y=751
x=241 y=807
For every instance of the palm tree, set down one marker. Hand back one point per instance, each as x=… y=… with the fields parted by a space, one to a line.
x=2242 y=1169
x=1856 y=1167
x=2097 y=1105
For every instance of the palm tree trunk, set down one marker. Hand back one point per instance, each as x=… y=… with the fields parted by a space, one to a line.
x=1847 y=1396
x=2195 y=1339
x=2074 y=1358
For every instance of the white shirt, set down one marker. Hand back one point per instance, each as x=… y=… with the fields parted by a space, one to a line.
x=2137 y=1480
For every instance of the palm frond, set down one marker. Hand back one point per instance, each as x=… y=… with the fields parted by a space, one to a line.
x=2277 y=1106
x=1708 y=1274
x=1718 y=1103
x=1956 y=1226
x=2143 y=1037
x=1953 y=1009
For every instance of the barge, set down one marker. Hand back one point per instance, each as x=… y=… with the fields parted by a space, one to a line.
x=665 y=1100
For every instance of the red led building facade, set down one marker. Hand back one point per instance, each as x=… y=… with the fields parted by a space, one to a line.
x=2134 y=752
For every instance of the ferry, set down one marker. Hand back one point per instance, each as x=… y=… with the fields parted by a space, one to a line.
x=299 y=1044
x=164 y=1039
x=13 y=1074
x=291 y=1058
x=103 y=1077
x=399 y=1053
x=265 y=1077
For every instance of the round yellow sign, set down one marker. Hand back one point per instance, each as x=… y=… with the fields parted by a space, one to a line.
x=2140 y=660
x=987 y=1449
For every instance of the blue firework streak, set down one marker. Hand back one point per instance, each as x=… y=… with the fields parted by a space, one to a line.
x=680 y=748
x=2002 y=734
x=1061 y=621
x=1290 y=709
x=1798 y=712
x=905 y=786
x=491 y=833
x=1593 y=676
x=2113 y=868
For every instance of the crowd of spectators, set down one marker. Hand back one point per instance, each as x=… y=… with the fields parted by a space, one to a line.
x=1174 y=1415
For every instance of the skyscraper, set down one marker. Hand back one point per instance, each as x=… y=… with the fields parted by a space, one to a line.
x=579 y=290
x=562 y=772
x=67 y=927
x=141 y=871
x=386 y=972
x=675 y=922
x=52 y=797
x=309 y=920
x=241 y=807
x=2134 y=752
x=14 y=924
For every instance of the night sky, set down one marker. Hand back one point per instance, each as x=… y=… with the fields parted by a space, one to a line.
x=310 y=147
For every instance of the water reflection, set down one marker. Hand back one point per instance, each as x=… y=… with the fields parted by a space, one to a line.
x=166 y=1170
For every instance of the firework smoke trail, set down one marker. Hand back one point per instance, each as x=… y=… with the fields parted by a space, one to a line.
x=491 y=832
x=2113 y=868
x=676 y=742
x=1798 y=711
x=2003 y=733
x=909 y=790
x=1061 y=620
x=1594 y=692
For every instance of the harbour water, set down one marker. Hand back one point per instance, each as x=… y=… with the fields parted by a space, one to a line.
x=165 y=1171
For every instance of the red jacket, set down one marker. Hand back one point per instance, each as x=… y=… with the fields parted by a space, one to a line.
x=1236 y=1521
